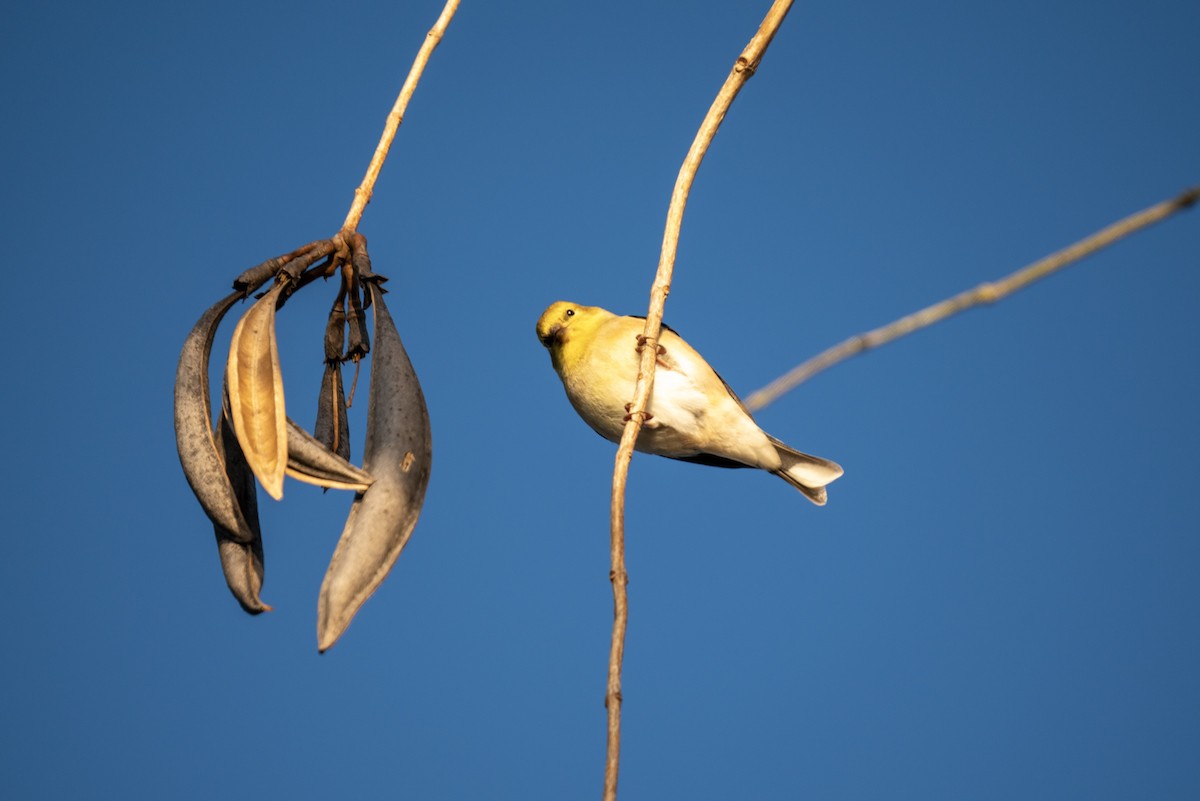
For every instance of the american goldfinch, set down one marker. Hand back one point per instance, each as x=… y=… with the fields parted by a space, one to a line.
x=693 y=415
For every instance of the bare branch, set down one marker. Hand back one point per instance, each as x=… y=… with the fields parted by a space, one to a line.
x=362 y=195
x=742 y=70
x=980 y=295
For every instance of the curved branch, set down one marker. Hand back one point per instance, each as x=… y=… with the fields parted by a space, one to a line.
x=982 y=294
x=742 y=70
x=362 y=195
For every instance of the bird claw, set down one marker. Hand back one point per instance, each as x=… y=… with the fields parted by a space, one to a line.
x=646 y=416
x=642 y=339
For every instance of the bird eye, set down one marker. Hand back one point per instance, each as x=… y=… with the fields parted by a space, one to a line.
x=570 y=312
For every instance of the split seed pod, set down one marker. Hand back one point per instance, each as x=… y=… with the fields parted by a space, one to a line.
x=333 y=423
x=310 y=461
x=255 y=386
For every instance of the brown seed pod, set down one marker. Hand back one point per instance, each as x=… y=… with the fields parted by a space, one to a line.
x=398 y=454
x=241 y=562
x=202 y=463
x=309 y=460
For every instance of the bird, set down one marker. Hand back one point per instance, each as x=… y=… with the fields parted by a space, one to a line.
x=692 y=414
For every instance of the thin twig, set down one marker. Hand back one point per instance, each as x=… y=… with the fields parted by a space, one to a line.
x=743 y=69
x=362 y=195
x=982 y=294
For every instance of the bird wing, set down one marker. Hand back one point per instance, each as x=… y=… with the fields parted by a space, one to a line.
x=709 y=459
x=725 y=383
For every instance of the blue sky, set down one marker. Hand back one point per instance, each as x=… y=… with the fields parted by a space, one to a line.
x=999 y=601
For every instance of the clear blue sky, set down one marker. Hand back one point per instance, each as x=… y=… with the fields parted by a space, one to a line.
x=1000 y=600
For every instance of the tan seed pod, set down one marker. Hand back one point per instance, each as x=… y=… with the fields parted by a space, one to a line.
x=255 y=386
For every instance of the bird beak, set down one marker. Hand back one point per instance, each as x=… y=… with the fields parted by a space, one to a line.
x=553 y=335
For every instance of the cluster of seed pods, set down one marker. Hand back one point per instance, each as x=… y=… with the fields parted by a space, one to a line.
x=253 y=439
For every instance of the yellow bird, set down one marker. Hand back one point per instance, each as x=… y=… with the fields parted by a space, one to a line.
x=693 y=415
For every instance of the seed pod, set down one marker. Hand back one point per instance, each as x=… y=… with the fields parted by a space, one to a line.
x=202 y=463
x=335 y=332
x=310 y=461
x=333 y=424
x=359 y=343
x=241 y=562
x=398 y=454
x=255 y=386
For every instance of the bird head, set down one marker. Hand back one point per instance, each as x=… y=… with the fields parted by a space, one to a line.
x=553 y=325
x=566 y=328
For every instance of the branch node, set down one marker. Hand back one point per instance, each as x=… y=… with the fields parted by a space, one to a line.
x=988 y=292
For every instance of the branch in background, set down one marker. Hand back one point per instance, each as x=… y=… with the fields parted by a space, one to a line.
x=362 y=195
x=982 y=294
x=743 y=69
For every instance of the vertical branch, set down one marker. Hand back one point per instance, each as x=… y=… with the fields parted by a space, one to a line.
x=362 y=195
x=742 y=70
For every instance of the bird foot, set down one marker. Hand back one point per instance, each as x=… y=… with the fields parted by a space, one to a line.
x=660 y=351
x=646 y=416
x=642 y=339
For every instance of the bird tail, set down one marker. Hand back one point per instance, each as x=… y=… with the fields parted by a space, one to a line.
x=809 y=474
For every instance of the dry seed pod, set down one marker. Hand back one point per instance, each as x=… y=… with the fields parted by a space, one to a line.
x=309 y=460
x=333 y=424
x=241 y=562
x=255 y=386
x=335 y=332
x=398 y=454
x=359 y=343
x=202 y=463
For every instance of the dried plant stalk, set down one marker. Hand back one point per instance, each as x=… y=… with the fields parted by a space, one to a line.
x=362 y=195
x=743 y=69
x=980 y=295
